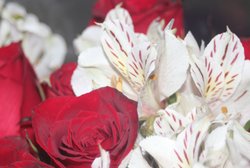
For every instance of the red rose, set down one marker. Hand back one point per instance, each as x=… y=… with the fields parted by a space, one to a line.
x=143 y=12
x=69 y=129
x=14 y=153
x=61 y=81
x=17 y=87
x=246 y=45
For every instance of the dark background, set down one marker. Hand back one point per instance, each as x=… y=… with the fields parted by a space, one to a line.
x=204 y=18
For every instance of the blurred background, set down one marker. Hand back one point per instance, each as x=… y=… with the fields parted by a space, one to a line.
x=65 y=17
x=204 y=18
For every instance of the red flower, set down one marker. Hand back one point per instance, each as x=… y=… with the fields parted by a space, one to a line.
x=143 y=12
x=61 y=81
x=246 y=45
x=14 y=153
x=17 y=87
x=69 y=129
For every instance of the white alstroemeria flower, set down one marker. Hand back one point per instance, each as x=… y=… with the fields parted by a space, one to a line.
x=46 y=51
x=169 y=153
x=220 y=75
x=52 y=58
x=130 y=58
x=130 y=53
x=227 y=146
x=103 y=161
x=94 y=69
x=134 y=56
x=90 y=37
x=14 y=13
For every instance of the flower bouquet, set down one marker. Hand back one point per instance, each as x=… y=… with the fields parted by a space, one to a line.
x=135 y=98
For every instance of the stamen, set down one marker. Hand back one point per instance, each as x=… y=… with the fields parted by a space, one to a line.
x=224 y=110
x=119 y=84
x=116 y=83
x=113 y=81
x=153 y=77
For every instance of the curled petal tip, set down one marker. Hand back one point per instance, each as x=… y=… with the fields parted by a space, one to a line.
x=119 y=5
x=170 y=24
x=228 y=30
x=98 y=24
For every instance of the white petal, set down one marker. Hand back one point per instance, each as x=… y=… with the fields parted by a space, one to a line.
x=228 y=51
x=93 y=58
x=121 y=14
x=53 y=57
x=141 y=62
x=186 y=102
x=93 y=71
x=137 y=160
x=217 y=138
x=147 y=103
x=31 y=24
x=103 y=161
x=33 y=47
x=239 y=103
x=56 y=48
x=130 y=53
x=155 y=31
x=169 y=123
x=172 y=66
x=126 y=160
x=90 y=37
x=199 y=165
x=117 y=43
x=189 y=86
x=189 y=142
x=239 y=145
x=160 y=149
x=208 y=77
x=192 y=44
x=86 y=80
x=227 y=146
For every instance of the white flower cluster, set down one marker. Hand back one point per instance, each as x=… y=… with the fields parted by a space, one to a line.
x=44 y=49
x=193 y=102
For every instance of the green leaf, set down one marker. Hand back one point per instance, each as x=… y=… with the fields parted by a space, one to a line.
x=247 y=126
x=172 y=99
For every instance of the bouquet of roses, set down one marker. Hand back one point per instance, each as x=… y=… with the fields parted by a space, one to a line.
x=149 y=99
